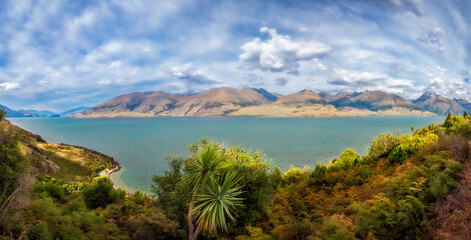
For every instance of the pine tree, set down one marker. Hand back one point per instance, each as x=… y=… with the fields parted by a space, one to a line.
x=447 y=123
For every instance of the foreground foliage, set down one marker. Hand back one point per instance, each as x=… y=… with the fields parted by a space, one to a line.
x=209 y=173
x=406 y=187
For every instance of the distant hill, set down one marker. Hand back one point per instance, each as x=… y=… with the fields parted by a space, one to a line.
x=253 y=102
x=464 y=104
x=13 y=113
x=440 y=105
x=37 y=113
x=214 y=102
x=73 y=111
x=342 y=98
x=270 y=96
x=303 y=98
x=372 y=100
x=327 y=96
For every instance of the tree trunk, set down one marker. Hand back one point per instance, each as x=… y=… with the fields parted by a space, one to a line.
x=190 y=217
x=197 y=231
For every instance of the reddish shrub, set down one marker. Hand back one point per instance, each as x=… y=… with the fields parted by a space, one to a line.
x=453 y=220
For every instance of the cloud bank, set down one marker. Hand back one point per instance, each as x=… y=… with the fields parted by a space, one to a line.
x=62 y=54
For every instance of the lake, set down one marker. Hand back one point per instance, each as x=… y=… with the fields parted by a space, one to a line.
x=141 y=145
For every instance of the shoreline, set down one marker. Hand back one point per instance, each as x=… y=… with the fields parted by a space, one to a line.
x=109 y=172
x=297 y=115
x=33 y=142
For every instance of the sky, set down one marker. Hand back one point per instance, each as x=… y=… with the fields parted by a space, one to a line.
x=57 y=55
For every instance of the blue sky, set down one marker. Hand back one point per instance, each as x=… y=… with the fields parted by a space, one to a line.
x=57 y=55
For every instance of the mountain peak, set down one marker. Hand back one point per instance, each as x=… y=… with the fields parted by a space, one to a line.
x=433 y=102
x=430 y=93
x=266 y=94
x=301 y=98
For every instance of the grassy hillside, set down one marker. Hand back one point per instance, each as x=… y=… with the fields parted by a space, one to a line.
x=406 y=187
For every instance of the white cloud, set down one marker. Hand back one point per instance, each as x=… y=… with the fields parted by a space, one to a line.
x=192 y=77
x=115 y=64
x=318 y=65
x=9 y=85
x=368 y=80
x=105 y=82
x=148 y=49
x=415 y=6
x=144 y=45
x=279 y=53
x=433 y=36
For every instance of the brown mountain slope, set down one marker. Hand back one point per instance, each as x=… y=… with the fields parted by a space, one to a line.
x=210 y=103
x=440 y=105
x=138 y=104
x=252 y=102
x=373 y=100
x=342 y=98
x=303 y=98
x=464 y=104
x=216 y=102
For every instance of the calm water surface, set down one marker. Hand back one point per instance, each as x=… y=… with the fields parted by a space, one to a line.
x=141 y=145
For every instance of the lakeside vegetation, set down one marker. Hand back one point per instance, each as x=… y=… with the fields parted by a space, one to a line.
x=406 y=187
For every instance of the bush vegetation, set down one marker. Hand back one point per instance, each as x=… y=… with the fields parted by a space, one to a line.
x=405 y=187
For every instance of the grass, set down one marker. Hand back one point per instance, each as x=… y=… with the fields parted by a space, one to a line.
x=69 y=171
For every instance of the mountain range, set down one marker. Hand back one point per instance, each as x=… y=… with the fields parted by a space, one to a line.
x=40 y=113
x=259 y=102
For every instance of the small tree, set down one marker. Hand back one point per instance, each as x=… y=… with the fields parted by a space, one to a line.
x=12 y=164
x=465 y=114
x=447 y=122
x=213 y=197
x=397 y=155
x=3 y=113
x=347 y=159
x=101 y=193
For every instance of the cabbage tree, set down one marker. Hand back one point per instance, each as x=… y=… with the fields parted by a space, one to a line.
x=213 y=195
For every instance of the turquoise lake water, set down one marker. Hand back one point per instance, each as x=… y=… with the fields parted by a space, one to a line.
x=141 y=145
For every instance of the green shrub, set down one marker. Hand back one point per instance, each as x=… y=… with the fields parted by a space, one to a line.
x=140 y=198
x=12 y=163
x=334 y=230
x=155 y=225
x=396 y=156
x=39 y=232
x=294 y=175
x=347 y=160
x=381 y=147
x=319 y=172
x=3 y=113
x=101 y=193
x=75 y=205
x=365 y=172
x=254 y=234
x=458 y=125
x=50 y=187
x=386 y=219
x=442 y=179
x=293 y=231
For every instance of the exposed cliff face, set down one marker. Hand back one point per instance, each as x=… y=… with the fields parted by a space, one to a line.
x=440 y=105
